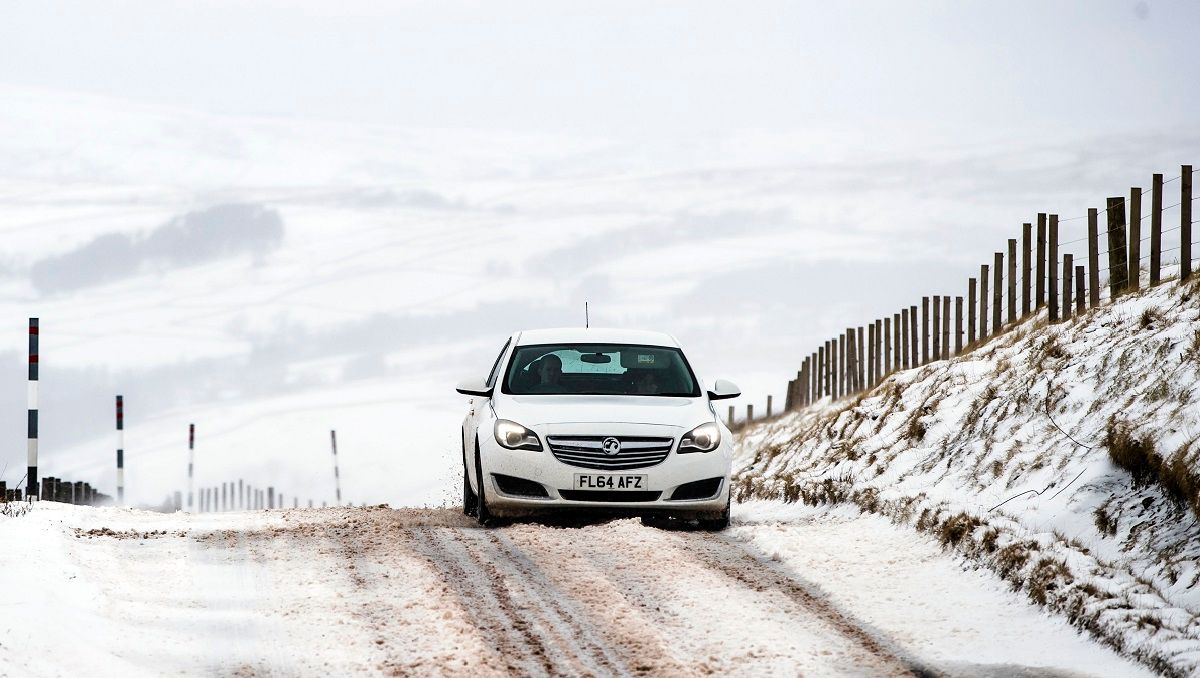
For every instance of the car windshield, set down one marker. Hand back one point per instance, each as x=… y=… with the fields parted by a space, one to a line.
x=600 y=369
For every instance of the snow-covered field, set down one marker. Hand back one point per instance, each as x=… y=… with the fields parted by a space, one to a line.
x=1002 y=455
x=788 y=590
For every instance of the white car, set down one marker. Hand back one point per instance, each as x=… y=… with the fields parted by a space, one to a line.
x=611 y=421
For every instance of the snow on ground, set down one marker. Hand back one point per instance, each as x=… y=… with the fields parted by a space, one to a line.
x=788 y=590
x=1000 y=453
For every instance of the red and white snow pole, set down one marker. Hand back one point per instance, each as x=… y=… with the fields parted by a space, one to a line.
x=31 y=480
x=191 y=462
x=120 y=450
x=337 y=480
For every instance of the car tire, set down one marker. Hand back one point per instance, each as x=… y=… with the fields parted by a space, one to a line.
x=482 y=514
x=470 y=499
x=719 y=523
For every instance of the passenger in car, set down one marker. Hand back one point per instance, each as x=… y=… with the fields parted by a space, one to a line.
x=646 y=383
x=548 y=370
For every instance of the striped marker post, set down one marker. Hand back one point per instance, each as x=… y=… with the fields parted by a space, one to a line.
x=120 y=450
x=31 y=480
x=337 y=480
x=191 y=462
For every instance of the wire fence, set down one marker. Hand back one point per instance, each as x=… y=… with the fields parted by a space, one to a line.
x=1034 y=275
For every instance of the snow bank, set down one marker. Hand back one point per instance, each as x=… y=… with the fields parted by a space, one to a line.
x=1001 y=453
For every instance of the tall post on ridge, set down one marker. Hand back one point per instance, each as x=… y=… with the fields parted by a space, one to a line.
x=337 y=479
x=997 y=298
x=1041 y=260
x=851 y=362
x=1026 y=236
x=1068 y=267
x=896 y=341
x=31 y=445
x=1052 y=261
x=1156 y=211
x=120 y=450
x=958 y=325
x=191 y=463
x=1093 y=257
x=945 y=328
x=1118 y=255
x=924 y=330
x=904 y=338
x=1012 y=280
x=912 y=329
x=936 y=347
x=971 y=298
x=887 y=345
x=861 y=357
x=1135 y=239
x=1185 y=223
x=983 y=301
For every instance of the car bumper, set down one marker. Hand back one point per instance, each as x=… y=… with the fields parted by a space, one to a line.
x=558 y=480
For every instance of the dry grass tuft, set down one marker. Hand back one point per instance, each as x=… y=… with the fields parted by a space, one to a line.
x=1048 y=576
x=1175 y=475
x=1150 y=317
x=956 y=527
x=1105 y=524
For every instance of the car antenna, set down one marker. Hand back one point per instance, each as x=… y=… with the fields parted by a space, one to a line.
x=586 y=320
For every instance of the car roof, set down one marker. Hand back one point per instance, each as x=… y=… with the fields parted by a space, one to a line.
x=594 y=335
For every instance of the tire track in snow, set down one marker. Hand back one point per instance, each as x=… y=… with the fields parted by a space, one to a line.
x=481 y=590
x=737 y=563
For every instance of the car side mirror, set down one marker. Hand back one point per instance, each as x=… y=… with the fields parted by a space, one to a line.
x=474 y=387
x=724 y=389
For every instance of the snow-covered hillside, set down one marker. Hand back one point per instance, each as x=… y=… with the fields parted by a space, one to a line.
x=1006 y=455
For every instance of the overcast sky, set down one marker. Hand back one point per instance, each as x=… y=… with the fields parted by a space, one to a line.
x=630 y=68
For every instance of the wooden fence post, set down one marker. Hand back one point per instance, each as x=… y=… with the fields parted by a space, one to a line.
x=1185 y=223
x=839 y=362
x=878 y=352
x=1156 y=229
x=912 y=326
x=904 y=338
x=870 y=355
x=887 y=345
x=1135 y=239
x=768 y=406
x=1041 y=260
x=936 y=344
x=1052 y=262
x=729 y=422
x=1066 y=287
x=1093 y=258
x=1012 y=280
x=971 y=294
x=852 y=360
x=983 y=301
x=1080 y=304
x=958 y=325
x=749 y=418
x=822 y=368
x=997 y=291
x=896 y=341
x=861 y=358
x=1026 y=236
x=924 y=330
x=1118 y=254
x=945 y=328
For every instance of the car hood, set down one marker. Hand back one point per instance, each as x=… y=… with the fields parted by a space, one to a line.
x=534 y=410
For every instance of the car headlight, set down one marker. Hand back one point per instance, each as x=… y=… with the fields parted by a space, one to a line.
x=514 y=436
x=703 y=438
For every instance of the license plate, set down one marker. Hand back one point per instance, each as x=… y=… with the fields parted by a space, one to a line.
x=609 y=481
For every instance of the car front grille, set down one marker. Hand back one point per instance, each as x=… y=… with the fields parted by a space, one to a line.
x=588 y=451
x=614 y=496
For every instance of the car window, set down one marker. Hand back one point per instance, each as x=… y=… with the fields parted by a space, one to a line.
x=496 y=366
x=600 y=369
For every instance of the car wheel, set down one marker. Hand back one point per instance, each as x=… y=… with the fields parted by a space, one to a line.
x=719 y=523
x=482 y=514
x=470 y=499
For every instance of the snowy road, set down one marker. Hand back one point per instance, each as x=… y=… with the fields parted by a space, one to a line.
x=786 y=591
